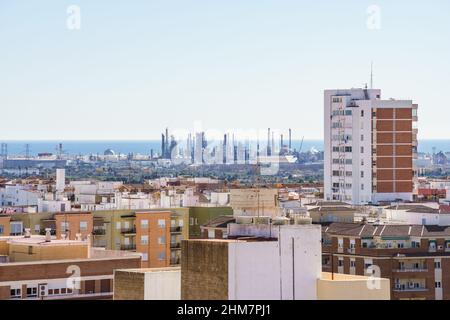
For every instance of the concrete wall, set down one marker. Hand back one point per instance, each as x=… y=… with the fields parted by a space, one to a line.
x=350 y=287
x=25 y=252
x=204 y=270
x=128 y=285
x=163 y=285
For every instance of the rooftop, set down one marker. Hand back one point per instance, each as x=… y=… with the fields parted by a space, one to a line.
x=388 y=230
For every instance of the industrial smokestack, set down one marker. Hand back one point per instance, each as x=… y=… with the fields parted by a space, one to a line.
x=290 y=139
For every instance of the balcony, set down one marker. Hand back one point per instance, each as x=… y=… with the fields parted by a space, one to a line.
x=99 y=232
x=175 y=245
x=176 y=229
x=410 y=270
x=127 y=247
x=128 y=230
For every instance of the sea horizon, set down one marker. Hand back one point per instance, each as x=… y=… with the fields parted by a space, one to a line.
x=143 y=146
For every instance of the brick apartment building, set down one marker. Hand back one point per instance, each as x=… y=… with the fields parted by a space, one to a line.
x=41 y=267
x=369 y=147
x=416 y=258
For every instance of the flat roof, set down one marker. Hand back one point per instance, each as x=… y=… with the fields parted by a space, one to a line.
x=147 y=270
x=40 y=240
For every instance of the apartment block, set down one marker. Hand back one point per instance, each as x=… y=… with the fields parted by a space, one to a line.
x=416 y=258
x=369 y=146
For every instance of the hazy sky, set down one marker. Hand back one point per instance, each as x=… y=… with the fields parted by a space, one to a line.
x=136 y=67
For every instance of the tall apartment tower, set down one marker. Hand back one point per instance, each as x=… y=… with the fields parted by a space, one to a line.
x=369 y=146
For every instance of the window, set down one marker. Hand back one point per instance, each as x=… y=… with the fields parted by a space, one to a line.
x=162 y=256
x=340 y=262
x=37 y=228
x=126 y=224
x=161 y=223
x=64 y=226
x=432 y=244
x=32 y=292
x=348 y=173
x=83 y=225
x=16 y=293
x=144 y=224
x=362 y=162
x=362 y=174
x=362 y=149
x=352 y=263
x=144 y=240
x=16 y=228
x=362 y=113
x=211 y=233
x=162 y=240
x=348 y=112
x=362 y=137
x=362 y=186
x=2 y=229
x=145 y=257
x=118 y=225
x=437 y=284
x=191 y=221
x=181 y=223
x=348 y=161
x=348 y=149
x=437 y=264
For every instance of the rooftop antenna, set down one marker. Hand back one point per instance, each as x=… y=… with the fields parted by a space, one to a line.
x=371 y=75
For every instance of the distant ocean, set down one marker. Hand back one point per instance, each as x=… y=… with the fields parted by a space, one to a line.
x=17 y=148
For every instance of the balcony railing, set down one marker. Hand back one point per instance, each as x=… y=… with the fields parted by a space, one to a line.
x=128 y=247
x=411 y=270
x=99 y=232
x=175 y=245
x=128 y=230
x=175 y=229
x=407 y=289
x=52 y=232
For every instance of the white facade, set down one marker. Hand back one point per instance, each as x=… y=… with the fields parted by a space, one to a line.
x=54 y=205
x=287 y=269
x=18 y=196
x=60 y=180
x=220 y=198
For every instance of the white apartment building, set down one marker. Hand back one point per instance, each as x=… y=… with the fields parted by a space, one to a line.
x=369 y=146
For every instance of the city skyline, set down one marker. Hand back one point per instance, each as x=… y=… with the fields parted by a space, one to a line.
x=243 y=65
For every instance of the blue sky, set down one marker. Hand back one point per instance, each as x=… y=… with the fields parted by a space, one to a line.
x=136 y=67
